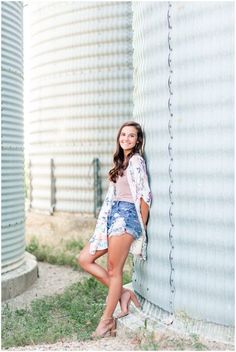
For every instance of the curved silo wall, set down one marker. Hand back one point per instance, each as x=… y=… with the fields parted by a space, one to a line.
x=13 y=218
x=184 y=96
x=81 y=91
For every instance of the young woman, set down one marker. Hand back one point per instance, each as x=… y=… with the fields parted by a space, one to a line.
x=121 y=224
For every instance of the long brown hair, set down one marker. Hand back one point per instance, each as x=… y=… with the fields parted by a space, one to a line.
x=118 y=157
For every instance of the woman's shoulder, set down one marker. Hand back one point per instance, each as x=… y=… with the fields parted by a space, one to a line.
x=137 y=161
x=137 y=158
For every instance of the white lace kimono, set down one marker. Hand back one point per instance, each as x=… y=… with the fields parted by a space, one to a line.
x=138 y=182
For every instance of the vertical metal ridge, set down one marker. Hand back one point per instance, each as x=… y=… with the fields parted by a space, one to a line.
x=171 y=162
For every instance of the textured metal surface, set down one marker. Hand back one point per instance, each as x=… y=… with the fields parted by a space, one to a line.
x=183 y=94
x=13 y=217
x=80 y=93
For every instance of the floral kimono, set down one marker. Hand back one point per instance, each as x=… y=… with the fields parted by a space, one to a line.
x=139 y=187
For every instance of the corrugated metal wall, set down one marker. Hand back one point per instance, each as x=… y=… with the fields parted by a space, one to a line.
x=13 y=244
x=184 y=96
x=81 y=91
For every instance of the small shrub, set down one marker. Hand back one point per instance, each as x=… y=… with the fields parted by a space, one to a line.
x=197 y=344
x=63 y=255
x=33 y=245
x=74 y=245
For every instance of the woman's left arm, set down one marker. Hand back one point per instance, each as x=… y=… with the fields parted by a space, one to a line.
x=142 y=186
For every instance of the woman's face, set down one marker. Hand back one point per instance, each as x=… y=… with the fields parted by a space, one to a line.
x=128 y=138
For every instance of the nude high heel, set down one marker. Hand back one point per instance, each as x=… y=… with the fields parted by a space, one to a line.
x=122 y=313
x=110 y=331
x=132 y=298
x=113 y=328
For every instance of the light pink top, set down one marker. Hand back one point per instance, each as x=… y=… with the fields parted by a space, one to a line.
x=123 y=191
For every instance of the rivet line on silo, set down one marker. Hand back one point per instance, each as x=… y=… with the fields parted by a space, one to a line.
x=170 y=152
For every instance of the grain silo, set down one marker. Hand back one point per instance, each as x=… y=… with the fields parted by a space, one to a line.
x=81 y=91
x=184 y=96
x=19 y=269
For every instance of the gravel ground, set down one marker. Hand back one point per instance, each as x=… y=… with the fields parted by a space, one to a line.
x=105 y=344
x=52 y=279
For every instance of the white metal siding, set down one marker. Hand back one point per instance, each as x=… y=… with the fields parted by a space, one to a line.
x=200 y=159
x=13 y=217
x=81 y=91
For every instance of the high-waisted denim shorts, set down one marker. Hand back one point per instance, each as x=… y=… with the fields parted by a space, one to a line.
x=123 y=217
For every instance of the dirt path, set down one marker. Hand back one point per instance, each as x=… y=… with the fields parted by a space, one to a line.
x=105 y=344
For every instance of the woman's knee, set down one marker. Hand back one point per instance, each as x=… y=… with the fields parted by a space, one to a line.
x=82 y=259
x=113 y=270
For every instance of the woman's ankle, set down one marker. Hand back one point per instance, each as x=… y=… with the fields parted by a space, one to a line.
x=106 y=318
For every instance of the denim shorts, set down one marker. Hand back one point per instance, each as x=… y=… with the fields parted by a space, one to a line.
x=123 y=217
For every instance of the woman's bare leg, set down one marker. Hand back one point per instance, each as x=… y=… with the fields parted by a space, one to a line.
x=118 y=251
x=87 y=262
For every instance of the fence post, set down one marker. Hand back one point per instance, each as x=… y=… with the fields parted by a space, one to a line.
x=52 y=187
x=97 y=187
x=30 y=186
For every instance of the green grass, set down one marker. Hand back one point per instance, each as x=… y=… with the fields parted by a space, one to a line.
x=147 y=342
x=197 y=344
x=75 y=313
x=63 y=255
x=74 y=245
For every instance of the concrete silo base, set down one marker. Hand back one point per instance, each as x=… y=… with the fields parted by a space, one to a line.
x=157 y=320
x=19 y=280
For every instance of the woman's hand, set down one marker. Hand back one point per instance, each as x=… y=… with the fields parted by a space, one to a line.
x=144 y=209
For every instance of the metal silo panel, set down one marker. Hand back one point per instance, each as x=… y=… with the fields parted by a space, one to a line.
x=183 y=86
x=203 y=151
x=13 y=217
x=151 y=279
x=81 y=91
